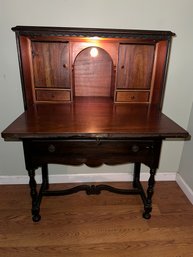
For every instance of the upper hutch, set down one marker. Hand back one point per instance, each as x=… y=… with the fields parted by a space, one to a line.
x=59 y=64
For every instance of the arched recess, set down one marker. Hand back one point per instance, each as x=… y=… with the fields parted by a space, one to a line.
x=93 y=75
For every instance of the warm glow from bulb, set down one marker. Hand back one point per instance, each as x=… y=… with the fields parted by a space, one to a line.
x=94 y=52
x=95 y=38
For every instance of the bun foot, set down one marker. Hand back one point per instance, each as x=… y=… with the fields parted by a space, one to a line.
x=146 y=215
x=36 y=218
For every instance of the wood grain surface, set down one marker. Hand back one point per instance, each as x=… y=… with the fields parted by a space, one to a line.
x=92 y=117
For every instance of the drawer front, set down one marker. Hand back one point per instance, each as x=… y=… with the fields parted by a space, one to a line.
x=91 y=152
x=53 y=95
x=89 y=147
x=132 y=96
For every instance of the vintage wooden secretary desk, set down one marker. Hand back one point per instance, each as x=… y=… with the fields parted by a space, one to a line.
x=92 y=96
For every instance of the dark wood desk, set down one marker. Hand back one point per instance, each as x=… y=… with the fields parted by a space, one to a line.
x=92 y=131
x=92 y=96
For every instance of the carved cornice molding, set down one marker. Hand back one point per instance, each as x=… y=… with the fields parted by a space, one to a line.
x=89 y=32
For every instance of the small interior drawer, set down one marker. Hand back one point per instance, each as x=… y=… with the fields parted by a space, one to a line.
x=132 y=96
x=52 y=95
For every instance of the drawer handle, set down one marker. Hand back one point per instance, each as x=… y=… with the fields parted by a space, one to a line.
x=135 y=148
x=98 y=141
x=51 y=148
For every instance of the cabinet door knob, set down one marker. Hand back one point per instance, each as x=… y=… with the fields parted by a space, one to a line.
x=51 y=148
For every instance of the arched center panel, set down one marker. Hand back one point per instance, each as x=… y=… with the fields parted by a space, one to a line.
x=93 y=72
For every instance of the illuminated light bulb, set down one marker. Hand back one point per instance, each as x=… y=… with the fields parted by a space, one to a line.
x=94 y=52
x=95 y=38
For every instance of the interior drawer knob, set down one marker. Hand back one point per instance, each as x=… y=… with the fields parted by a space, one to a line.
x=51 y=148
x=135 y=148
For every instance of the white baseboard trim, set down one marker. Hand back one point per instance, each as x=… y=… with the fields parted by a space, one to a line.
x=101 y=177
x=185 y=188
x=81 y=178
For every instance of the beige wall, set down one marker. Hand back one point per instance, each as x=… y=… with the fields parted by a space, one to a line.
x=174 y=15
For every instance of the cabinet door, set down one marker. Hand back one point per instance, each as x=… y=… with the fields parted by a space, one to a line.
x=51 y=64
x=135 y=66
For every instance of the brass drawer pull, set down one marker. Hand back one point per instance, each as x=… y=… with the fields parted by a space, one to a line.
x=135 y=148
x=98 y=141
x=51 y=148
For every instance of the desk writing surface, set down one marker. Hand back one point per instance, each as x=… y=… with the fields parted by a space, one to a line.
x=91 y=118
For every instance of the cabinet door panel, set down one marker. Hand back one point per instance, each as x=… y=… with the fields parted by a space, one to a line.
x=51 y=64
x=135 y=66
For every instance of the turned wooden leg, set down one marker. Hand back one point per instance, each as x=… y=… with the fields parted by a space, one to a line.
x=45 y=179
x=34 y=195
x=150 y=191
x=136 y=175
